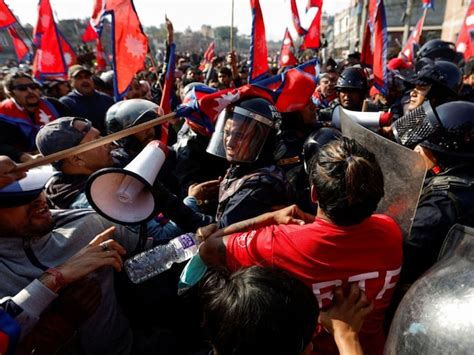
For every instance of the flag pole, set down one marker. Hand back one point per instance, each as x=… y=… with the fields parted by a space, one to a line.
x=232 y=28
x=94 y=144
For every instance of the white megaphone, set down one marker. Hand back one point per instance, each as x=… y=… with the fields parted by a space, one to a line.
x=370 y=120
x=125 y=195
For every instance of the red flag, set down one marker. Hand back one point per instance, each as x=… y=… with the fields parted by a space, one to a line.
x=6 y=16
x=313 y=34
x=258 y=55
x=89 y=34
x=374 y=47
x=414 y=39
x=465 y=43
x=100 y=62
x=130 y=45
x=208 y=55
x=21 y=49
x=69 y=55
x=98 y=14
x=49 y=59
x=166 y=94
x=287 y=56
x=295 y=17
x=45 y=19
x=289 y=91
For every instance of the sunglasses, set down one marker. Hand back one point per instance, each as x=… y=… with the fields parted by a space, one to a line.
x=24 y=87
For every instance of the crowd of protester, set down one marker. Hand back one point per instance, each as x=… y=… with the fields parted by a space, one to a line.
x=294 y=259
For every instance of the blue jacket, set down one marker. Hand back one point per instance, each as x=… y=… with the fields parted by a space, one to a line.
x=91 y=107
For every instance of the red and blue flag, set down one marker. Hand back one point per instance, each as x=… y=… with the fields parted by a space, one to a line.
x=129 y=42
x=287 y=51
x=428 y=4
x=167 y=89
x=21 y=49
x=313 y=33
x=289 y=91
x=258 y=56
x=6 y=16
x=465 y=44
x=374 y=46
x=53 y=53
x=414 y=39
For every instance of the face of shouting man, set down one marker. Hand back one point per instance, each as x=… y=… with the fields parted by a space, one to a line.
x=26 y=221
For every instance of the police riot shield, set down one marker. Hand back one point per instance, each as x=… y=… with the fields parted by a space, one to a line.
x=436 y=316
x=403 y=170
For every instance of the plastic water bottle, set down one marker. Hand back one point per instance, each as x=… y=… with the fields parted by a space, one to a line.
x=152 y=262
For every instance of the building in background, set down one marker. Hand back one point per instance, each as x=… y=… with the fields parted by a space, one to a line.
x=443 y=22
x=453 y=18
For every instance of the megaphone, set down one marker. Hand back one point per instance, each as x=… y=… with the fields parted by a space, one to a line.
x=370 y=120
x=125 y=195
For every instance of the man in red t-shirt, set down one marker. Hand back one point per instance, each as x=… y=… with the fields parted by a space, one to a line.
x=344 y=244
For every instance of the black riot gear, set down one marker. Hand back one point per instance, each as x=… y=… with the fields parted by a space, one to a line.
x=353 y=78
x=245 y=131
x=128 y=113
x=447 y=129
x=437 y=49
x=445 y=77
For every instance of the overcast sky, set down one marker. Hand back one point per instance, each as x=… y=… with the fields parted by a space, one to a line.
x=184 y=13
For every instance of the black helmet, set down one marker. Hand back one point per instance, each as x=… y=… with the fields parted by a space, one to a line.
x=316 y=141
x=437 y=49
x=251 y=131
x=445 y=76
x=352 y=78
x=447 y=129
x=128 y=113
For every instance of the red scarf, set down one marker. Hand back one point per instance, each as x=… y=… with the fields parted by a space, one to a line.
x=13 y=114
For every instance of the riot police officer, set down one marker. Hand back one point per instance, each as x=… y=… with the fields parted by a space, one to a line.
x=352 y=88
x=444 y=137
x=245 y=136
x=437 y=81
x=437 y=49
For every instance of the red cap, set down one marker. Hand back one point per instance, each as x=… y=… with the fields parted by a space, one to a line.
x=397 y=63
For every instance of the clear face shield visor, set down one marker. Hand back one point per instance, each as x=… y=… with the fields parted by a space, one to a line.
x=240 y=135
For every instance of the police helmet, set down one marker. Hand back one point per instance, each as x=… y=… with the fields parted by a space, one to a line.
x=447 y=129
x=352 y=78
x=445 y=77
x=128 y=113
x=437 y=49
x=244 y=129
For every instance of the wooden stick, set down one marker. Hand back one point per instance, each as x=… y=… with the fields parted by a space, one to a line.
x=93 y=144
x=232 y=28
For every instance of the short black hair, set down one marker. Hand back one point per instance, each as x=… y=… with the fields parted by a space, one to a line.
x=225 y=71
x=258 y=310
x=348 y=180
x=10 y=78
